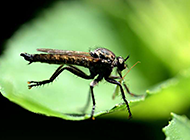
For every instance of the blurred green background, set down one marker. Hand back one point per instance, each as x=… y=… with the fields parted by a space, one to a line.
x=155 y=32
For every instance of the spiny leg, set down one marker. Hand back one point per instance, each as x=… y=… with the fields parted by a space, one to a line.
x=72 y=69
x=123 y=82
x=88 y=98
x=38 y=83
x=127 y=89
x=79 y=73
x=116 y=88
x=114 y=77
x=122 y=93
x=92 y=84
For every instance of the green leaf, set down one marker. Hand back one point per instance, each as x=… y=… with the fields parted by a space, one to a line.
x=170 y=95
x=65 y=26
x=178 y=128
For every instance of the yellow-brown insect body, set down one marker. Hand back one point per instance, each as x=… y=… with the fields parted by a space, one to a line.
x=85 y=61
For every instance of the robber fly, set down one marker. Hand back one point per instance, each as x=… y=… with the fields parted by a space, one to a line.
x=100 y=63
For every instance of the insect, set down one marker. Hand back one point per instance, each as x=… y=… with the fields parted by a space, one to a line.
x=100 y=63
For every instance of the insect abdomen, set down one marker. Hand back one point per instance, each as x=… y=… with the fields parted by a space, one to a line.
x=59 y=59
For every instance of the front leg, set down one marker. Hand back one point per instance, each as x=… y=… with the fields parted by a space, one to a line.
x=122 y=93
x=123 y=82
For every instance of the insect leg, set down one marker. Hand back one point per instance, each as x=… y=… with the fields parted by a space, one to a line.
x=72 y=69
x=122 y=93
x=38 y=83
x=92 y=84
x=80 y=73
x=115 y=92
x=127 y=89
x=114 y=77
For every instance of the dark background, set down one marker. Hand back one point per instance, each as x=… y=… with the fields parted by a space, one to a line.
x=16 y=121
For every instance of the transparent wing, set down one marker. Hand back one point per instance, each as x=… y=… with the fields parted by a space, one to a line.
x=65 y=52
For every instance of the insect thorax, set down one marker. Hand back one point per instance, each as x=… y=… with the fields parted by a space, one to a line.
x=107 y=62
x=104 y=54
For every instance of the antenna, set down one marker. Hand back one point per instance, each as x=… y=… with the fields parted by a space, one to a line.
x=129 y=70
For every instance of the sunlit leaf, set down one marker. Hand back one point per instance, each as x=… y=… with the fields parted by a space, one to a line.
x=178 y=128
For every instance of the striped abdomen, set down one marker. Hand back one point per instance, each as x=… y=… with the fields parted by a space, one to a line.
x=80 y=60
